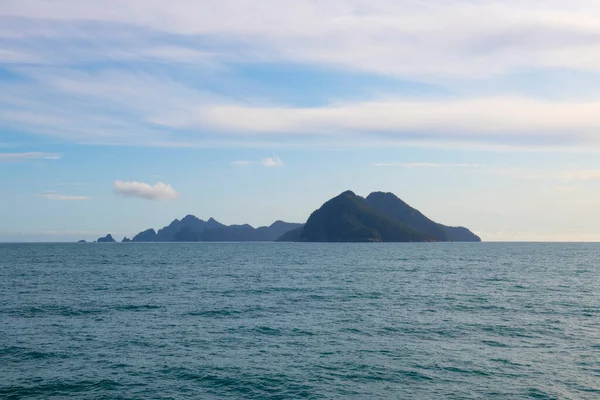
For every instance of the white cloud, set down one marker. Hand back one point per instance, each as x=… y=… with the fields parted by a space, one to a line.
x=64 y=197
x=15 y=157
x=427 y=165
x=506 y=116
x=158 y=191
x=271 y=162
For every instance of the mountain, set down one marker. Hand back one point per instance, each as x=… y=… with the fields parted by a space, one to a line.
x=106 y=239
x=125 y=240
x=381 y=217
x=193 y=229
x=390 y=205
x=148 y=235
x=192 y=225
x=348 y=218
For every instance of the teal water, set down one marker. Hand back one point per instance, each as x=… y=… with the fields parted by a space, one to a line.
x=287 y=321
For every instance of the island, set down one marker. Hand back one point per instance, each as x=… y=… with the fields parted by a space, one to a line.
x=379 y=217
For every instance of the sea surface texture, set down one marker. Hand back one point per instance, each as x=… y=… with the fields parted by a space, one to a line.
x=291 y=321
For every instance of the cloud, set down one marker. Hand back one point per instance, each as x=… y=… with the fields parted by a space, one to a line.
x=503 y=116
x=16 y=157
x=158 y=191
x=132 y=109
x=64 y=197
x=427 y=165
x=269 y=162
x=48 y=48
x=391 y=37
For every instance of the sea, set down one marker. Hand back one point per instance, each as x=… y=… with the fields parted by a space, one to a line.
x=300 y=321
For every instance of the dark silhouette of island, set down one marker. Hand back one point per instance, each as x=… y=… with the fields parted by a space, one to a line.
x=106 y=239
x=82 y=241
x=125 y=240
x=381 y=217
x=193 y=229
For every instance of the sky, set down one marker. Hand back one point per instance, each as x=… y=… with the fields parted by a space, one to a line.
x=118 y=116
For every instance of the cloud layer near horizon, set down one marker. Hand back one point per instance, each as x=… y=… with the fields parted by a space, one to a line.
x=158 y=191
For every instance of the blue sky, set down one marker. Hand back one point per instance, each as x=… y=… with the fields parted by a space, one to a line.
x=118 y=116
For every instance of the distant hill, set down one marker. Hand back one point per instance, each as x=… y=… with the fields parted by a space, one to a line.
x=381 y=217
x=193 y=229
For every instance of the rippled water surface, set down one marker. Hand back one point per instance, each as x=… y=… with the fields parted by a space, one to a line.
x=283 y=321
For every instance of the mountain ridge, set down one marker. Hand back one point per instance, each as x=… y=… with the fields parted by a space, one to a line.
x=192 y=229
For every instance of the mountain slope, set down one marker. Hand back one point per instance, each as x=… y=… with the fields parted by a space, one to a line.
x=390 y=205
x=148 y=235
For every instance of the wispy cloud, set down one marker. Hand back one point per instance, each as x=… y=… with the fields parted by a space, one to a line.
x=501 y=118
x=268 y=162
x=434 y=42
x=16 y=157
x=400 y=37
x=427 y=165
x=158 y=191
x=64 y=197
x=271 y=162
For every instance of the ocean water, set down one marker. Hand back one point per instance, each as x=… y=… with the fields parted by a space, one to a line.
x=290 y=321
